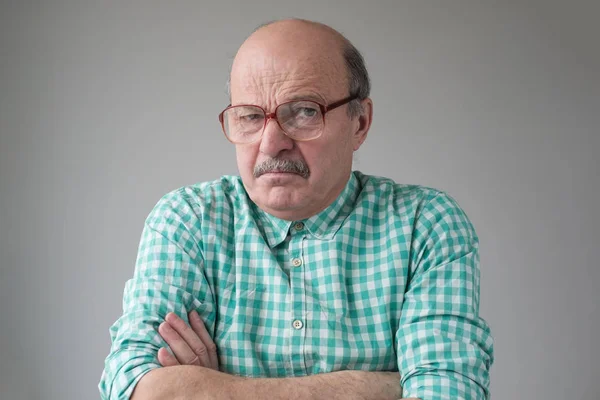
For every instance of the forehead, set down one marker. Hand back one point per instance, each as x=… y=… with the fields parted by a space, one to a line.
x=284 y=79
x=276 y=69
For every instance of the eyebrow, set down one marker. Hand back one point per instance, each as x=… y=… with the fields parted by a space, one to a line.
x=312 y=97
x=297 y=97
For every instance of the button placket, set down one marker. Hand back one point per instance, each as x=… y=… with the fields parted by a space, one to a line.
x=298 y=292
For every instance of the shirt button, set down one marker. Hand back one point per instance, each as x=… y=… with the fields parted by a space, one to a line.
x=296 y=262
x=297 y=324
x=299 y=226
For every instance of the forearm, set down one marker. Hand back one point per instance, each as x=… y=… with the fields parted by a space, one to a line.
x=196 y=383
x=359 y=385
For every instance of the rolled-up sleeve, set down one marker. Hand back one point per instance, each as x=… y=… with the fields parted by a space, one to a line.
x=168 y=277
x=445 y=349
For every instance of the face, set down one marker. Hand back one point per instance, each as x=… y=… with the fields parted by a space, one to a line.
x=268 y=71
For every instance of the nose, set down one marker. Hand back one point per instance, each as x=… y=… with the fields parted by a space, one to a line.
x=274 y=140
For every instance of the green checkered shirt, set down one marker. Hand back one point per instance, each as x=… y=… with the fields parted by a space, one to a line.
x=385 y=279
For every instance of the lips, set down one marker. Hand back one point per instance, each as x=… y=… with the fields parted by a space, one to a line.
x=279 y=173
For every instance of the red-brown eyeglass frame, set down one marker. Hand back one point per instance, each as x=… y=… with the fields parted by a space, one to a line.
x=268 y=116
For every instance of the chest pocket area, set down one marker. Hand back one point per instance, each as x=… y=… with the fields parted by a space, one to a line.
x=235 y=307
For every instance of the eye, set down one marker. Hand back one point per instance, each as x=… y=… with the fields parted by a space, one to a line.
x=250 y=117
x=308 y=112
x=304 y=110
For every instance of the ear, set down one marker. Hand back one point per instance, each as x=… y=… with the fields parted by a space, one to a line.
x=364 y=123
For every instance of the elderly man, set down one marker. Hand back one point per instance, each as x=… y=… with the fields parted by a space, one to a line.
x=301 y=278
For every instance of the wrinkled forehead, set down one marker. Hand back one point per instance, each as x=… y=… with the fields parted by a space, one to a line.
x=280 y=70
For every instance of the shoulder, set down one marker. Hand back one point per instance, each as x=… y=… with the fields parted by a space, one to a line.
x=194 y=201
x=421 y=205
x=401 y=196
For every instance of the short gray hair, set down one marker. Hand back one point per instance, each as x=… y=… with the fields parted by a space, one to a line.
x=359 y=83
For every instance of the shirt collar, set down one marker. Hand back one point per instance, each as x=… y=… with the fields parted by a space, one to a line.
x=324 y=225
x=273 y=229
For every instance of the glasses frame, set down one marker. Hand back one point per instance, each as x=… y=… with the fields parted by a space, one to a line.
x=273 y=116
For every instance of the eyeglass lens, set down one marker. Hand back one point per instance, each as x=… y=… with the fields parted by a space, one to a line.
x=299 y=119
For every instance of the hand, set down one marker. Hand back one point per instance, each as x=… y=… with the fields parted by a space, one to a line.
x=190 y=345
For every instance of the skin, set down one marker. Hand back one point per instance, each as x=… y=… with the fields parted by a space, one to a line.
x=282 y=62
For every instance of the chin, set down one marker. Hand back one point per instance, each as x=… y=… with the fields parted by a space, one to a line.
x=278 y=199
x=281 y=205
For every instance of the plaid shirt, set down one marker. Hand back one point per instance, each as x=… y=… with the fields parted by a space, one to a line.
x=385 y=279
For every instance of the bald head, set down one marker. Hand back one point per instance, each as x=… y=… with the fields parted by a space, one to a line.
x=286 y=46
x=300 y=31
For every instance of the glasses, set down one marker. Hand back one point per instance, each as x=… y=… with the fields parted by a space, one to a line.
x=301 y=120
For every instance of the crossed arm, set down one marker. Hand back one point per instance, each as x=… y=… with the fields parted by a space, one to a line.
x=191 y=382
x=191 y=372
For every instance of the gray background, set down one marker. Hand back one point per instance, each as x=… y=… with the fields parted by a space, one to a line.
x=106 y=106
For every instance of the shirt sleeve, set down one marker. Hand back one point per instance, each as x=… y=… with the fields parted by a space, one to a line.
x=444 y=348
x=168 y=277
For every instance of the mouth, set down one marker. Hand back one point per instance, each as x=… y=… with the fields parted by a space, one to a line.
x=273 y=174
x=280 y=172
x=280 y=178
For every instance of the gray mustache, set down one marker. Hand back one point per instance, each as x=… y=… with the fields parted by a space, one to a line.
x=277 y=165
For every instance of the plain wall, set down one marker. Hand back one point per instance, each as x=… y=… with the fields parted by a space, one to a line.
x=107 y=105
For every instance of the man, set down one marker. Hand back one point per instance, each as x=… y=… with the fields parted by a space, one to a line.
x=301 y=278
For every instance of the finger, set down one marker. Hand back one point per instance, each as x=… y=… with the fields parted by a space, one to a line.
x=165 y=358
x=180 y=349
x=198 y=327
x=191 y=338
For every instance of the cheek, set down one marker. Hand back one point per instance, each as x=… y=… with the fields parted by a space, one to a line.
x=246 y=157
x=326 y=157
